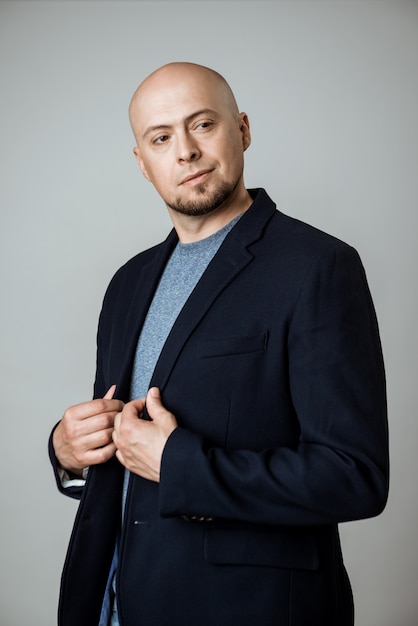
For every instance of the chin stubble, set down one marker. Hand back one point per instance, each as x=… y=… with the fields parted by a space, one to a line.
x=206 y=203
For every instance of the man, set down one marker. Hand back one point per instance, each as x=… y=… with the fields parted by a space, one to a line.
x=239 y=410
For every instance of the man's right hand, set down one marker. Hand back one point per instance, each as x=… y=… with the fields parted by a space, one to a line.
x=84 y=435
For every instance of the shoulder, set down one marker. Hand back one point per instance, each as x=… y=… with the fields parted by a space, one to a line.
x=285 y=236
x=298 y=248
x=303 y=237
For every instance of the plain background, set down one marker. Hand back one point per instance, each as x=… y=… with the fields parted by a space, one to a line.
x=331 y=90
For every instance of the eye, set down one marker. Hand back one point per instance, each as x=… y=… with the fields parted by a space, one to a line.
x=161 y=139
x=203 y=125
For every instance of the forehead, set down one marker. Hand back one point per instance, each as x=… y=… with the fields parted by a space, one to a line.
x=170 y=100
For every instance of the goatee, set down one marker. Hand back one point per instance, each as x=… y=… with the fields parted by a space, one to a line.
x=205 y=204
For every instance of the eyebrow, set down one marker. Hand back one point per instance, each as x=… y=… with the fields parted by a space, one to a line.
x=189 y=118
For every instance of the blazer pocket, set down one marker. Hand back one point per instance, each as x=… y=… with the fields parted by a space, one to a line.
x=232 y=345
x=269 y=548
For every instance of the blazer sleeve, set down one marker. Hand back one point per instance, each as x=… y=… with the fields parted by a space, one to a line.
x=74 y=491
x=338 y=469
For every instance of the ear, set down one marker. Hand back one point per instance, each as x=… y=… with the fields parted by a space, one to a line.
x=244 y=126
x=141 y=163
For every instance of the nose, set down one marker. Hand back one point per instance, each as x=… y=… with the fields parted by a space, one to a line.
x=187 y=148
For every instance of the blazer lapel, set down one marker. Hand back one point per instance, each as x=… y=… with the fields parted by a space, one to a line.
x=144 y=289
x=232 y=257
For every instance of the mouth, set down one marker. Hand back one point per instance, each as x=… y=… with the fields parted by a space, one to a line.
x=196 y=178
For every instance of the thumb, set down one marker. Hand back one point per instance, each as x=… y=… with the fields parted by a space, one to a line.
x=158 y=413
x=154 y=405
x=154 y=397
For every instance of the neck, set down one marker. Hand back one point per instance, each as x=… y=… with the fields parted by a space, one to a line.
x=191 y=228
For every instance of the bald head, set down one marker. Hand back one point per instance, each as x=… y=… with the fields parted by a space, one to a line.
x=170 y=79
x=190 y=140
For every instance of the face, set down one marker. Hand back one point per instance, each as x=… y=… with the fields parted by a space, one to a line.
x=190 y=140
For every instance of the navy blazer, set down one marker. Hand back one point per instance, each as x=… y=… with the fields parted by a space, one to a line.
x=274 y=372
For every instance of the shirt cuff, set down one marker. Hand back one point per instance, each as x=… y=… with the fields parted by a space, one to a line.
x=66 y=481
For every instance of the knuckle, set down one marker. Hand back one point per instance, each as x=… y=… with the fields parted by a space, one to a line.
x=104 y=421
x=100 y=405
x=68 y=417
x=103 y=455
x=78 y=458
x=71 y=430
x=106 y=437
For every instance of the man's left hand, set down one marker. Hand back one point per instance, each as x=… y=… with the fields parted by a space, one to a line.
x=140 y=443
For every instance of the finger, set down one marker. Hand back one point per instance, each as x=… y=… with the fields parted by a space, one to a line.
x=95 y=440
x=81 y=429
x=127 y=422
x=116 y=428
x=86 y=410
x=110 y=393
x=91 y=450
x=135 y=406
x=154 y=402
x=99 y=455
x=116 y=421
x=131 y=412
x=119 y=457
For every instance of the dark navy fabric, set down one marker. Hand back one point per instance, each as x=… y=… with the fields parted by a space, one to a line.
x=274 y=371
